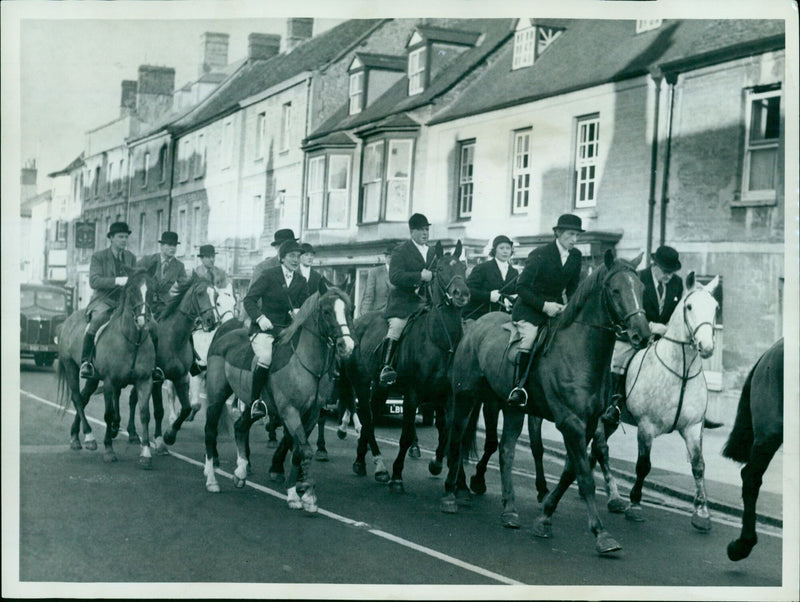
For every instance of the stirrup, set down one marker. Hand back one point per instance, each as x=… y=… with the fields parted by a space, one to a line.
x=158 y=375
x=388 y=376
x=518 y=397
x=258 y=409
x=88 y=371
x=611 y=415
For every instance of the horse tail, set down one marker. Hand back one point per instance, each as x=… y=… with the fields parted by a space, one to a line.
x=710 y=424
x=63 y=395
x=471 y=432
x=740 y=440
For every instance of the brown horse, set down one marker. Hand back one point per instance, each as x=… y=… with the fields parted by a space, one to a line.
x=124 y=356
x=424 y=356
x=566 y=386
x=300 y=379
x=756 y=436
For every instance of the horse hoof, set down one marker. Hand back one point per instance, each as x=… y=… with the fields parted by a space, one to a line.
x=238 y=483
x=212 y=487
x=360 y=468
x=543 y=527
x=146 y=463
x=272 y=443
x=159 y=448
x=510 y=520
x=109 y=457
x=396 y=486
x=606 y=544
x=435 y=467
x=464 y=497
x=75 y=444
x=701 y=523
x=276 y=477
x=169 y=437
x=341 y=434
x=477 y=485
x=193 y=413
x=616 y=505
x=413 y=451
x=134 y=439
x=448 y=504
x=383 y=476
x=321 y=455
x=249 y=469
x=114 y=430
x=739 y=549
x=541 y=495
x=635 y=513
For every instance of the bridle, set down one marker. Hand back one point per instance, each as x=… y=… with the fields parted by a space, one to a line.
x=693 y=331
x=342 y=331
x=618 y=324
x=196 y=310
x=443 y=289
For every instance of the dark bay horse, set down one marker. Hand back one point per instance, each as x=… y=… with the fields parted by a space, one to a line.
x=566 y=386
x=300 y=380
x=124 y=356
x=424 y=356
x=756 y=436
x=194 y=300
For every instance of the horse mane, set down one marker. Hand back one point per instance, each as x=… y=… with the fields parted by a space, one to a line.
x=133 y=275
x=308 y=308
x=578 y=300
x=173 y=302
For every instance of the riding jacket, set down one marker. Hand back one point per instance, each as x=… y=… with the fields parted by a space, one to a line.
x=545 y=279
x=405 y=274
x=673 y=292
x=102 y=272
x=269 y=296
x=174 y=273
x=482 y=280
x=216 y=276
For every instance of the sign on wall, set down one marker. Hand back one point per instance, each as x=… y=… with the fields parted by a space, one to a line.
x=84 y=235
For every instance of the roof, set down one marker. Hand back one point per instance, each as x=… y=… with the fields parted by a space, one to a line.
x=77 y=162
x=335 y=140
x=396 y=99
x=617 y=53
x=382 y=61
x=453 y=36
x=255 y=76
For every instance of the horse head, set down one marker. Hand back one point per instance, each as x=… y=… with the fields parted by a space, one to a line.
x=336 y=319
x=623 y=293
x=225 y=303
x=135 y=294
x=699 y=311
x=199 y=302
x=449 y=277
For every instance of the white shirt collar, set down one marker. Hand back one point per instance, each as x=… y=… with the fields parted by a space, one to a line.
x=305 y=270
x=502 y=266
x=562 y=251
x=423 y=250
x=287 y=274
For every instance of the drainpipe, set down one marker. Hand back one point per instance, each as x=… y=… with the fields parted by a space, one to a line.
x=671 y=79
x=128 y=199
x=651 y=202
x=303 y=165
x=172 y=148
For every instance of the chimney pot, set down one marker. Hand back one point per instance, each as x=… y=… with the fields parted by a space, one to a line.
x=298 y=30
x=127 y=103
x=263 y=45
x=213 y=52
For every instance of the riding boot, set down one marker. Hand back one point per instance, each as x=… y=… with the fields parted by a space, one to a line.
x=388 y=375
x=195 y=368
x=158 y=373
x=88 y=370
x=519 y=396
x=612 y=414
x=258 y=409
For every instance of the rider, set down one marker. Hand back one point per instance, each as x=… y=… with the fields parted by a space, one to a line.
x=216 y=276
x=280 y=237
x=108 y=273
x=376 y=292
x=492 y=284
x=312 y=276
x=663 y=289
x=407 y=271
x=550 y=277
x=272 y=302
x=168 y=274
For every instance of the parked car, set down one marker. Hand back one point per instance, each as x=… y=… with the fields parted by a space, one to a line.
x=43 y=309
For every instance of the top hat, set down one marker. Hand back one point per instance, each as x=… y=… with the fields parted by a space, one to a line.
x=666 y=258
x=418 y=221
x=207 y=251
x=569 y=222
x=169 y=238
x=289 y=246
x=307 y=248
x=118 y=228
x=282 y=235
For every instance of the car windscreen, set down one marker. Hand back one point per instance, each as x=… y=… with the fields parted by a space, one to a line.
x=51 y=300
x=27 y=298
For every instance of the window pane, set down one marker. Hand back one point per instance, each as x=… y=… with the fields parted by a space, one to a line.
x=26 y=298
x=339 y=168
x=51 y=300
x=372 y=199
x=315 y=187
x=373 y=158
x=762 y=169
x=399 y=159
x=314 y=210
x=397 y=200
x=765 y=119
x=337 y=209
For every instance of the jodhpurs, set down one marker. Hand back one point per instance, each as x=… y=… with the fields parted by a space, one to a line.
x=396 y=326
x=623 y=352
x=100 y=315
x=262 y=347
x=528 y=333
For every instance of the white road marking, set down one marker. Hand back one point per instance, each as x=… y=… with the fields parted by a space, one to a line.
x=342 y=519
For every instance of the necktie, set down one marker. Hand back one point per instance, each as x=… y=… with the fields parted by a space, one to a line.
x=660 y=296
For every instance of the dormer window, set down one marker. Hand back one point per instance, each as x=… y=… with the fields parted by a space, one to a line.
x=643 y=25
x=416 y=71
x=530 y=41
x=356 y=92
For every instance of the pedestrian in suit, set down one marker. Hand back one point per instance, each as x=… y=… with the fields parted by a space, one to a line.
x=108 y=274
x=493 y=284
x=167 y=272
x=408 y=270
x=663 y=289
x=376 y=291
x=312 y=276
x=216 y=276
x=550 y=276
x=272 y=302
x=280 y=237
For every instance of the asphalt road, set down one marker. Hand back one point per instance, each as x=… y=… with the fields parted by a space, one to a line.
x=82 y=520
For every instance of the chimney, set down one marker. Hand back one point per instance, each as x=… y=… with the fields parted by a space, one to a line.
x=213 y=52
x=154 y=92
x=127 y=103
x=27 y=180
x=263 y=46
x=298 y=30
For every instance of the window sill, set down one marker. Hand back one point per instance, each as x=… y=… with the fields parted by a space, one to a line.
x=755 y=201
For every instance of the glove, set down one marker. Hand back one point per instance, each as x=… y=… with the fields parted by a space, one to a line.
x=659 y=329
x=264 y=323
x=426 y=275
x=294 y=312
x=494 y=296
x=121 y=280
x=552 y=309
x=507 y=303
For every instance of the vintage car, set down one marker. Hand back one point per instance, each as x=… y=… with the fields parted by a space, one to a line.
x=43 y=309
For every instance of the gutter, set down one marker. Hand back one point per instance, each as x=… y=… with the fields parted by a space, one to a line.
x=651 y=201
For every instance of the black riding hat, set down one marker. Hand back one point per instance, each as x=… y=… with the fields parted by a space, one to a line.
x=666 y=258
x=118 y=228
x=289 y=246
x=417 y=222
x=569 y=222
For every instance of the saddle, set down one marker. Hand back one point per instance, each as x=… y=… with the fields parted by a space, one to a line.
x=238 y=352
x=540 y=345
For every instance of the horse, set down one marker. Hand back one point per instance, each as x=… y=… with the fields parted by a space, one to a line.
x=193 y=300
x=300 y=377
x=424 y=355
x=566 y=386
x=124 y=356
x=756 y=435
x=666 y=391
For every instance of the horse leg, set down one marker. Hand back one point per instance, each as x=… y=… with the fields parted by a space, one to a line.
x=182 y=390
x=512 y=427
x=322 y=453
x=79 y=401
x=693 y=438
x=464 y=407
x=491 y=412
x=217 y=392
x=133 y=399
x=440 y=420
x=109 y=415
x=241 y=429
x=141 y=390
x=600 y=453
x=158 y=416
x=645 y=441
x=276 y=471
x=406 y=440
x=760 y=456
x=299 y=489
x=273 y=422
x=537 y=449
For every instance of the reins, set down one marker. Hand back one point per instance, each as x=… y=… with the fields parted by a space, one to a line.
x=447 y=300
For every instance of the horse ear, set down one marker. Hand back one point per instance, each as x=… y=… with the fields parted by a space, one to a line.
x=457 y=252
x=322 y=288
x=637 y=260
x=438 y=249
x=690 y=281
x=711 y=286
x=608 y=258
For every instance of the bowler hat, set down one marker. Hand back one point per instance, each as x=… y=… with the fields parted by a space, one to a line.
x=307 y=248
x=569 y=222
x=207 y=251
x=666 y=258
x=169 y=238
x=118 y=228
x=417 y=222
x=289 y=246
x=282 y=235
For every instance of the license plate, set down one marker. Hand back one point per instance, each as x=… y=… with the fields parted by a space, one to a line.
x=395 y=408
x=36 y=347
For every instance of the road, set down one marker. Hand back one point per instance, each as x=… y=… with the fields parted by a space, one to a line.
x=85 y=521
